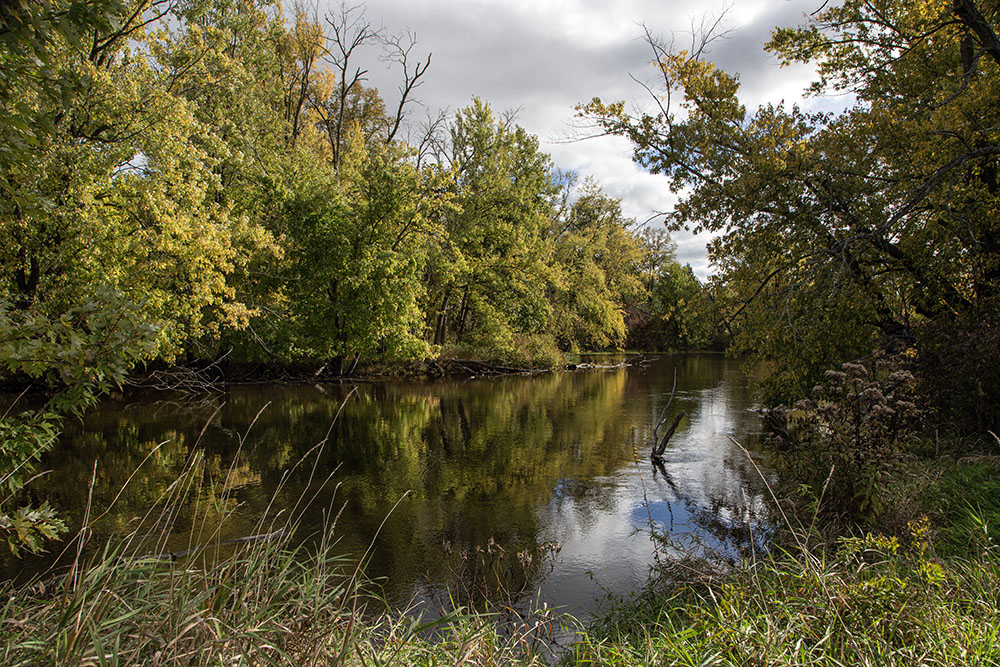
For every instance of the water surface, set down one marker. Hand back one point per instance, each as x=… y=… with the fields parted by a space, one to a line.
x=432 y=475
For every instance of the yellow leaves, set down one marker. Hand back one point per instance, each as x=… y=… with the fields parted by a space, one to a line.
x=601 y=109
x=701 y=80
x=323 y=84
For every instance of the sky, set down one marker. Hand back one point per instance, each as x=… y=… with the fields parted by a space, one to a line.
x=543 y=57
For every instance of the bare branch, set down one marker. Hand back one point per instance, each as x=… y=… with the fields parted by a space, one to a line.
x=399 y=48
x=351 y=31
x=709 y=31
x=431 y=141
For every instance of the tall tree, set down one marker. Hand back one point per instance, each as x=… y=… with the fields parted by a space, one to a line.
x=489 y=272
x=595 y=274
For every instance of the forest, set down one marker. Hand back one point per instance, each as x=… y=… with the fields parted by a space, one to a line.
x=204 y=182
x=216 y=178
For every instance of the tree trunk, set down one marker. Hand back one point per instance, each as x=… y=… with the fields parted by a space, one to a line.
x=441 y=327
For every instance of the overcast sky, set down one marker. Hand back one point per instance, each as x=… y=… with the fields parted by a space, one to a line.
x=543 y=57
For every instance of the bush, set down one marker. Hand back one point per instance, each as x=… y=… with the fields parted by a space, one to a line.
x=841 y=444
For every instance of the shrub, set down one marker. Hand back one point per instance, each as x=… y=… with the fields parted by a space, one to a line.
x=841 y=443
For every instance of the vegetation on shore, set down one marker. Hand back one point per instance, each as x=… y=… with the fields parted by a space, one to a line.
x=857 y=255
x=182 y=179
x=923 y=590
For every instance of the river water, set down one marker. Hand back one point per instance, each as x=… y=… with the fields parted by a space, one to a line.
x=429 y=478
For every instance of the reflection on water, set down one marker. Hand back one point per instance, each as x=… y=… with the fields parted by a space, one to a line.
x=526 y=461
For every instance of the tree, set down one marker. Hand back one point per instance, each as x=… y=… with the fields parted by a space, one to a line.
x=658 y=250
x=65 y=321
x=595 y=272
x=838 y=234
x=344 y=100
x=347 y=283
x=680 y=312
x=488 y=274
x=115 y=244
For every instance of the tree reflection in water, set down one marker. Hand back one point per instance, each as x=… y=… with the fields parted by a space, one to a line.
x=516 y=463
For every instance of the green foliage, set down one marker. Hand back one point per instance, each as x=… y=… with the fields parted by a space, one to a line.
x=959 y=371
x=33 y=38
x=964 y=500
x=488 y=275
x=85 y=351
x=29 y=527
x=128 y=191
x=347 y=281
x=112 y=250
x=680 y=312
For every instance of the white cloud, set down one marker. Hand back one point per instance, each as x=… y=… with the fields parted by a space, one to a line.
x=545 y=56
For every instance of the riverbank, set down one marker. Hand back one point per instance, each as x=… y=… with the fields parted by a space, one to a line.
x=926 y=592
x=196 y=375
x=200 y=376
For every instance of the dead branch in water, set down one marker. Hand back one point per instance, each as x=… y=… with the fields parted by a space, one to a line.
x=658 y=451
x=659 y=446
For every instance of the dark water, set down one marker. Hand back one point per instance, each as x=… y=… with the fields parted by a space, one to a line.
x=521 y=462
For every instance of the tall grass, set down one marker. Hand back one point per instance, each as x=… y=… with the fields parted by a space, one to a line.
x=273 y=598
x=273 y=603
x=867 y=609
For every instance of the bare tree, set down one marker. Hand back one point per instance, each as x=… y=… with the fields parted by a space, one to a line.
x=431 y=140
x=308 y=45
x=398 y=50
x=351 y=31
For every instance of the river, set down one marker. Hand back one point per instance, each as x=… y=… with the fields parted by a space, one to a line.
x=429 y=477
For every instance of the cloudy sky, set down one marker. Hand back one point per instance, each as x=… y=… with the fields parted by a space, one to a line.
x=542 y=57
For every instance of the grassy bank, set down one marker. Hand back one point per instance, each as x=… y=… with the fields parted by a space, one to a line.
x=272 y=604
x=927 y=594
x=270 y=598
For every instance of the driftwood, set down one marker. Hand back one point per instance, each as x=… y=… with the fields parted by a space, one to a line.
x=188 y=379
x=479 y=368
x=639 y=360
